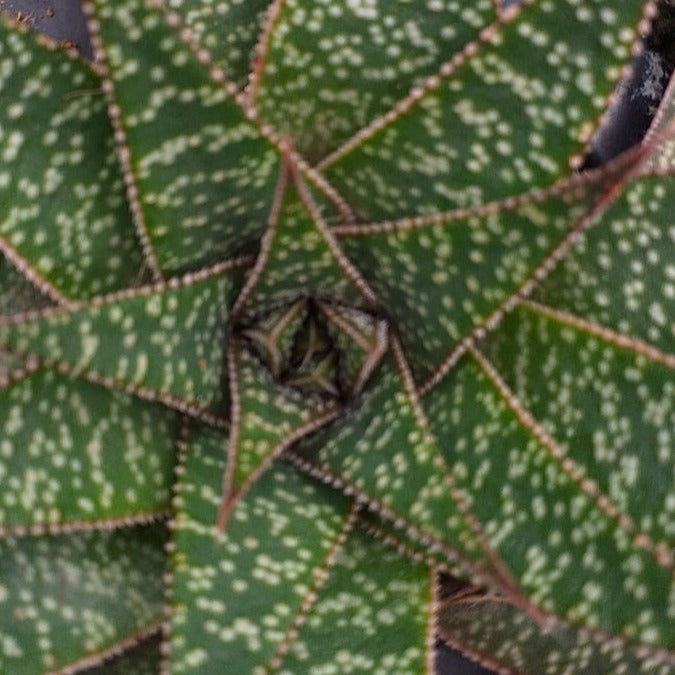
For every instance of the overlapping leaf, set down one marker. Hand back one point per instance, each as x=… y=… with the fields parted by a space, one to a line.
x=62 y=203
x=66 y=598
x=546 y=475
x=76 y=453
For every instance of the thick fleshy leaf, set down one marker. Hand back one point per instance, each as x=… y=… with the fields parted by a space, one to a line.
x=144 y=659
x=369 y=618
x=380 y=450
x=555 y=534
x=330 y=68
x=66 y=598
x=234 y=598
x=296 y=258
x=619 y=274
x=62 y=201
x=269 y=414
x=229 y=30
x=73 y=452
x=440 y=278
x=168 y=340
x=203 y=172
x=504 y=118
x=499 y=634
x=611 y=409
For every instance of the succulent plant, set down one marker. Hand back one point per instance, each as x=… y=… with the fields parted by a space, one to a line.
x=317 y=349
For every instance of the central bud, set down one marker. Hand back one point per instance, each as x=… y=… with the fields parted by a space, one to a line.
x=317 y=346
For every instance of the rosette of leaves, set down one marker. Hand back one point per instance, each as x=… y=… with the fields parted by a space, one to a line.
x=315 y=348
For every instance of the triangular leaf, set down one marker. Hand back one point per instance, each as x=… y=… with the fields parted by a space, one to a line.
x=50 y=584
x=61 y=193
x=74 y=453
x=235 y=597
x=168 y=340
x=203 y=172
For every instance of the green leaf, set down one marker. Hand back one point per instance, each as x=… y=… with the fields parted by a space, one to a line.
x=202 y=171
x=228 y=29
x=62 y=200
x=608 y=407
x=619 y=273
x=370 y=617
x=330 y=68
x=379 y=451
x=443 y=276
x=568 y=552
x=74 y=453
x=268 y=417
x=235 y=597
x=166 y=339
x=67 y=597
x=297 y=256
x=502 y=120
x=497 y=633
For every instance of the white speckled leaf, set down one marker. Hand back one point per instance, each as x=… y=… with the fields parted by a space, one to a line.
x=610 y=408
x=380 y=451
x=234 y=598
x=441 y=278
x=73 y=452
x=495 y=632
x=297 y=260
x=370 y=617
x=504 y=119
x=229 y=29
x=62 y=203
x=619 y=274
x=269 y=414
x=203 y=173
x=569 y=556
x=169 y=341
x=64 y=598
x=332 y=67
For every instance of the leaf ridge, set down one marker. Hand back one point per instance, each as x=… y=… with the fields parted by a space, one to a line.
x=322 y=575
x=608 y=335
x=105 y=524
x=568 y=185
x=120 y=136
x=417 y=94
x=658 y=550
x=132 y=293
x=260 y=52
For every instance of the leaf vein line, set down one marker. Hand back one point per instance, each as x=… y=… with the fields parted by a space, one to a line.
x=70 y=527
